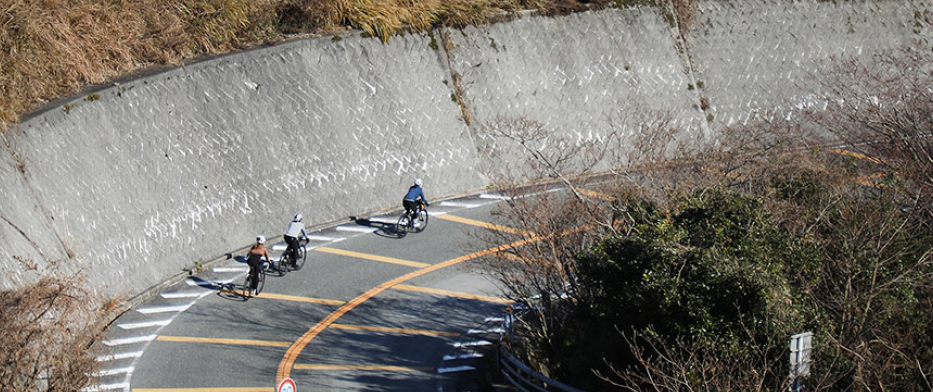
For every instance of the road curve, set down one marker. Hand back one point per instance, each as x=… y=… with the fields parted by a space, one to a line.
x=369 y=312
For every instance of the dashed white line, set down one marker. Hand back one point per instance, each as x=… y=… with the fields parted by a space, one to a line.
x=462 y=356
x=202 y=283
x=461 y=204
x=231 y=269
x=186 y=294
x=145 y=324
x=324 y=238
x=115 y=357
x=485 y=331
x=356 y=229
x=112 y=372
x=106 y=387
x=455 y=369
x=473 y=343
x=165 y=309
x=132 y=340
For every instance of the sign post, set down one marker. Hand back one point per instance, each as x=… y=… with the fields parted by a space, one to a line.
x=800 y=346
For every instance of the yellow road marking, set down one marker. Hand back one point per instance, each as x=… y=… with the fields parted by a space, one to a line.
x=235 y=389
x=856 y=155
x=301 y=299
x=596 y=195
x=487 y=225
x=449 y=293
x=364 y=367
x=406 y=331
x=242 y=342
x=288 y=360
x=368 y=256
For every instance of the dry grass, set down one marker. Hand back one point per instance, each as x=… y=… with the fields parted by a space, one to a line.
x=54 y=48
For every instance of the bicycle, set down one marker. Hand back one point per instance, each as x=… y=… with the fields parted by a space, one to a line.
x=286 y=263
x=259 y=279
x=412 y=221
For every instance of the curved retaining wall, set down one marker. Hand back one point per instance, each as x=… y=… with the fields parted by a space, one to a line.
x=134 y=183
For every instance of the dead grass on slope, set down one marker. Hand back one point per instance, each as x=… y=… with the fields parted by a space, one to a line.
x=53 y=48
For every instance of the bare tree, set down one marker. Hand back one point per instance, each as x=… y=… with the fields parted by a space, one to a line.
x=48 y=328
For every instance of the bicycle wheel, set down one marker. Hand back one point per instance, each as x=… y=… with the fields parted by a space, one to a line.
x=421 y=221
x=261 y=281
x=285 y=262
x=302 y=257
x=247 y=285
x=401 y=228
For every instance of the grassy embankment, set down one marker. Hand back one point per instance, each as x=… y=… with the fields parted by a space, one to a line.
x=55 y=48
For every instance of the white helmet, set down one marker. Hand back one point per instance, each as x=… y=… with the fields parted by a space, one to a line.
x=298 y=217
x=418 y=181
x=260 y=240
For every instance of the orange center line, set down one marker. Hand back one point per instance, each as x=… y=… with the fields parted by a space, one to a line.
x=288 y=360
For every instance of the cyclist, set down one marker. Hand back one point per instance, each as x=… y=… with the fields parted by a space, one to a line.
x=414 y=197
x=254 y=259
x=296 y=230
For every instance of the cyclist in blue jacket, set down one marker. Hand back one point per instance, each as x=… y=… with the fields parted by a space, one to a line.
x=414 y=196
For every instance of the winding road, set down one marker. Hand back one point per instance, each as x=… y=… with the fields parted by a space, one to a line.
x=368 y=312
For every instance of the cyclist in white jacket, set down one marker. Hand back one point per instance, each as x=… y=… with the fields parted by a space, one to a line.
x=296 y=230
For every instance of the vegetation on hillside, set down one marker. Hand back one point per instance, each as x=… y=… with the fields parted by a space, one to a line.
x=692 y=272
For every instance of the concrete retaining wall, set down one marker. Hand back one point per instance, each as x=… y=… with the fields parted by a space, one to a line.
x=136 y=182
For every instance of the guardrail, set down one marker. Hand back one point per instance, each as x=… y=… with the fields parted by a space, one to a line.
x=526 y=380
x=518 y=374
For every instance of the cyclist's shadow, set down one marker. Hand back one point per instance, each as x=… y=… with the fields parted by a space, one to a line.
x=230 y=290
x=383 y=229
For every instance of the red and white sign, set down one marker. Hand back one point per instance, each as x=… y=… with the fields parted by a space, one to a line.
x=287 y=385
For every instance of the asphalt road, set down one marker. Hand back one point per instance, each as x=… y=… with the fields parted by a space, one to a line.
x=368 y=312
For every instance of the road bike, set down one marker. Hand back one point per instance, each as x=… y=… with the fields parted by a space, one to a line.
x=286 y=263
x=413 y=221
x=259 y=277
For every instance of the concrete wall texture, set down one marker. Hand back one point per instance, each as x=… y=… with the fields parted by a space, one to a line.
x=134 y=183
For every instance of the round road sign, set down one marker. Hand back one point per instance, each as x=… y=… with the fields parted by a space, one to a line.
x=287 y=385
